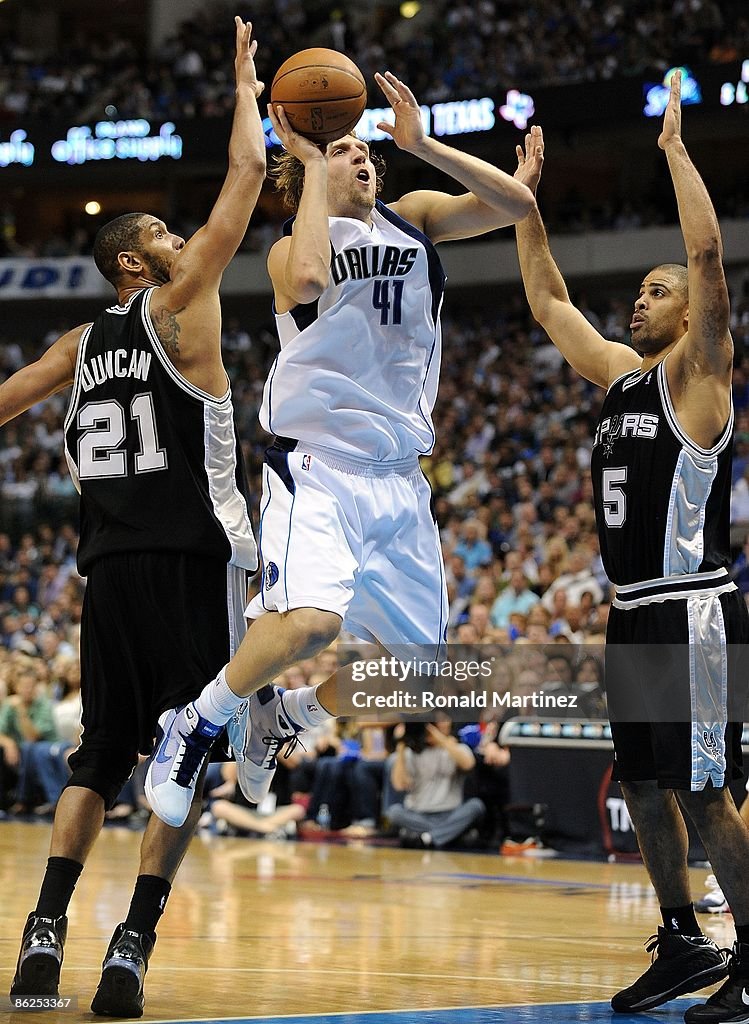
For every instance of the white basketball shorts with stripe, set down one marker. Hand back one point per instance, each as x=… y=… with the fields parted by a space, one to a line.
x=355 y=538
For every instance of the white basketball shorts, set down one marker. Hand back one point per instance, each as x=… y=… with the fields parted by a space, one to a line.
x=353 y=538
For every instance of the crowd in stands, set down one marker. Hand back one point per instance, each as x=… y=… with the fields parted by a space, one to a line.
x=510 y=475
x=448 y=50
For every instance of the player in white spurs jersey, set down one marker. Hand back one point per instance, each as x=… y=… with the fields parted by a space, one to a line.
x=347 y=536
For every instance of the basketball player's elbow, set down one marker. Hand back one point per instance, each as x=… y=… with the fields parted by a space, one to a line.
x=248 y=170
x=707 y=252
x=307 y=284
x=521 y=202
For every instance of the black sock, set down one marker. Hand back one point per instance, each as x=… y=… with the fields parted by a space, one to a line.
x=742 y=933
x=147 y=905
x=57 y=886
x=681 y=920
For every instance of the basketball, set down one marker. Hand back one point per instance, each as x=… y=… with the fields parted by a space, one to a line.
x=322 y=92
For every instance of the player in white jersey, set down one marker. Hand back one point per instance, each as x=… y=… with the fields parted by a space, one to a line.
x=346 y=535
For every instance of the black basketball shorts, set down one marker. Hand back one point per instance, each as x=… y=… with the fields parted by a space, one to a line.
x=156 y=627
x=676 y=684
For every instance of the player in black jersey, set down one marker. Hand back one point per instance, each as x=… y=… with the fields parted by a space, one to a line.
x=165 y=540
x=661 y=470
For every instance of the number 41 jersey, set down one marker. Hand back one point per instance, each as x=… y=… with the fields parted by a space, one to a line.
x=662 y=503
x=359 y=367
x=156 y=460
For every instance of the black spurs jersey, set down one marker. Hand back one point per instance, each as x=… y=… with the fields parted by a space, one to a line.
x=662 y=503
x=156 y=460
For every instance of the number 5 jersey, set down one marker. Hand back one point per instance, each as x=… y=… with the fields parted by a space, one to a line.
x=358 y=368
x=662 y=503
x=156 y=460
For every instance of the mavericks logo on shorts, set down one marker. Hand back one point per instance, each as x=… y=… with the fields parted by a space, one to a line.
x=271 y=575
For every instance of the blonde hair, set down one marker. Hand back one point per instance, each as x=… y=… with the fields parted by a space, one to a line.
x=287 y=174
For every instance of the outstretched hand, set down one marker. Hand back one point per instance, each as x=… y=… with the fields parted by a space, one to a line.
x=531 y=161
x=671 y=131
x=244 y=63
x=408 y=131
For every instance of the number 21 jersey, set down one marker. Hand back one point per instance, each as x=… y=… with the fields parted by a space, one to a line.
x=662 y=503
x=156 y=460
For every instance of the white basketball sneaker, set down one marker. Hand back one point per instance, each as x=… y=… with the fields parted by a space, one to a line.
x=714 y=901
x=258 y=730
x=181 y=749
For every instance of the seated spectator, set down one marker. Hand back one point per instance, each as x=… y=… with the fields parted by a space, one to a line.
x=430 y=766
x=26 y=716
x=516 y=597
x=473 y=546
x=575 y=580
x=349 y=784
x=240 y=817
x=562 y=682
x=47 y=760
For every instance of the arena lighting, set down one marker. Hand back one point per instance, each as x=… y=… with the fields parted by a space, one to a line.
x=739 y=93
x=118 y=140
x=518 y=109
x=457 y=117
x=410 y=8
x=17 y=150
x=656 y=96
x=92 y=208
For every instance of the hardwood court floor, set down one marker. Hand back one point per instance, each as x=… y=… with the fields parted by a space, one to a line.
x=256 y=929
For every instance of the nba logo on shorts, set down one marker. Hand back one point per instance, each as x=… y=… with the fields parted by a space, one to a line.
x=271 y=575
x=306 y=460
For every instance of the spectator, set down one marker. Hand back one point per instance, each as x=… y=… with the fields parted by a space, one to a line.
x=516 y=597
x=430 y=767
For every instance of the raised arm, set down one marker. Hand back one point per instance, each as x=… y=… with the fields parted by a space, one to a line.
x=37 y=381
x=494 y=199
x=707 y=346
x=595 y=358
x=299 y=264
x=203 y=260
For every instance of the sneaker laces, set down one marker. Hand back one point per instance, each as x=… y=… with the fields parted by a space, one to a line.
x=276 y=742
x=190 y=759
x=651 y=946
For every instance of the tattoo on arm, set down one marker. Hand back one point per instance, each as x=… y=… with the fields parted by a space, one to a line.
x=167 y=328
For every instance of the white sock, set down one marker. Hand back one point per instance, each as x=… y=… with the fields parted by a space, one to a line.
x=217 y=701
x=303 y=707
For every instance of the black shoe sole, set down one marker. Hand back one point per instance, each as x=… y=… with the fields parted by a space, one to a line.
x=693 y=984
x=119 y=994
x=38 y=975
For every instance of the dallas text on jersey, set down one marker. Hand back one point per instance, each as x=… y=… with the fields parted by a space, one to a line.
x=364 y=261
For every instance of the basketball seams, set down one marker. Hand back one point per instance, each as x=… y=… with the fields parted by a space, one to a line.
x=306 y=103
x=328 y=67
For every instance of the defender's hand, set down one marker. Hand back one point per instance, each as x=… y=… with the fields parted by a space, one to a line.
x=672 y=118
x=244 y=63
x=531 y=162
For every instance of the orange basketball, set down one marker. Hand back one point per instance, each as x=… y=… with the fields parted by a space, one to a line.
x=322 y=92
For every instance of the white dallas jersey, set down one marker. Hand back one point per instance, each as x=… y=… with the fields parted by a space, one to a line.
x=358 y=368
